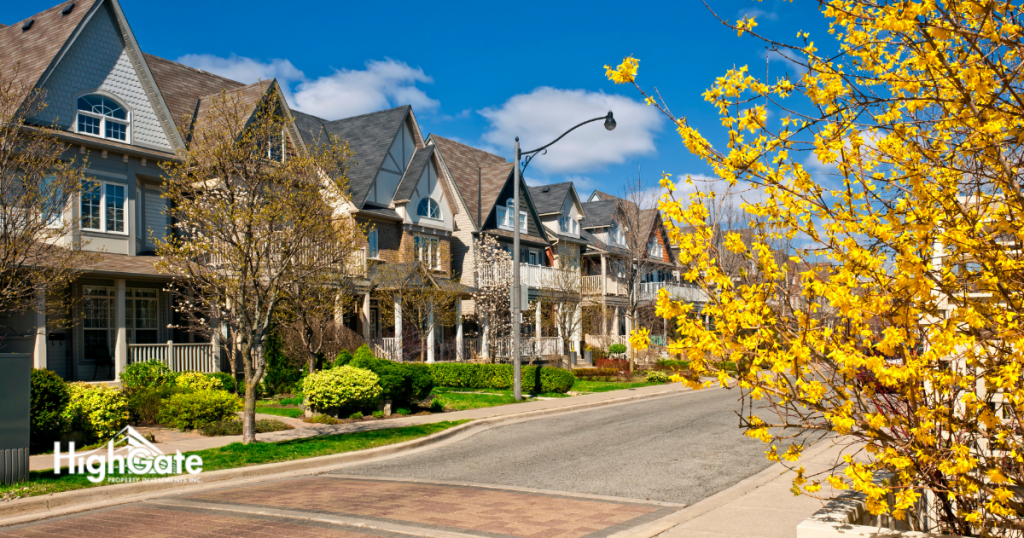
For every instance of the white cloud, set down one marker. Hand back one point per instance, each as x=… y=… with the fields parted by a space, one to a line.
x=344 y=93
x=759 y=14
x=540 y=116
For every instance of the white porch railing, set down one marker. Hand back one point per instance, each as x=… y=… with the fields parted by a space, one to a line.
x=531 y=347
x=385 y=348
x=534 y=276
x=612 y=286
x=177 y=357
x=690 y=294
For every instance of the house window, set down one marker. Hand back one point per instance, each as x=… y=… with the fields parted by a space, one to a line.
x=98 y=320
x=654 y=249
x=275 y=148
x=533 y=258
x=428 y=251
x=505 y=217
x=568 y=225
x=616 y=235
x=102 y=116
x=429 y=208
x=371 y=238
x=103 y=206
x=141 y=316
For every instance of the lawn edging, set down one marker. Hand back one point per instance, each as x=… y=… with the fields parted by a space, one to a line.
x=58 y=504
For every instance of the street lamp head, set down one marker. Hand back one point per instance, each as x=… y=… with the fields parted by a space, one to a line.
x=609 y=121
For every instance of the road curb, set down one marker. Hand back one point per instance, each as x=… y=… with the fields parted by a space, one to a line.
x=59 y=504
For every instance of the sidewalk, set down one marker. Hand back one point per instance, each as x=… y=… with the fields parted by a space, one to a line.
x=45 y=461
x=761 y=506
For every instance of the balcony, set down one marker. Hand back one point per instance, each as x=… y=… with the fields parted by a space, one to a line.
x=177 y=357
x=592 y=285
x=690 y=294
x=534 y=276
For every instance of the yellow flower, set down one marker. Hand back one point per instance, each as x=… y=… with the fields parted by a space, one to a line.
x=625 y=72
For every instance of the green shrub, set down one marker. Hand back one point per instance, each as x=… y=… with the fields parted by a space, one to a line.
x=403 y=411
x=436 y=406
x=197 y=381
x=190 y=410
x=654 y=376
x=322 y=419
x=728 y=366
x=403 y=384
x=98 y=410
x=363 y=353
x=293 y=401
x=234 y=427
x=49 y=398
x=378 y=414
x=141 y=375
x=617 y=348
x=356 y=416
x=227 y=382
x=499 y=376
x=144 y=404
x=343 y=359
x=343 y=389
x=282 y=374
x=673 y=364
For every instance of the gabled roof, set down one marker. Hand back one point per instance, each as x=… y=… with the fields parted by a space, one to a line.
x=598 y=245
x=248 y=97
x=420 y=160
x=182 y=87
x=369 y=136
x=549 y=198
x=598 y=196
x=38 y=49
x=600 y=214
x=469 y=168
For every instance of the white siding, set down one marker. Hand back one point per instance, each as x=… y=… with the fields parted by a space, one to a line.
x=428 y=186
x=98 y=61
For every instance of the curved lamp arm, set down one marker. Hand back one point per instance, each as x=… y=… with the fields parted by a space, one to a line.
x=609 y=123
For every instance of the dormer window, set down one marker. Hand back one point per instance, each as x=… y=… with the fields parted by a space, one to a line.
x=429 y=208
x=568 y=225
x=654 y=249
x=104 y=117
x=506 y=216
x=616 y=235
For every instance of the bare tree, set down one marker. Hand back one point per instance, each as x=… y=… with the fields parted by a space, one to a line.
x=562 y=291
x=413 y=280
x=637 y=216
x=255 y=213
x=38 y=247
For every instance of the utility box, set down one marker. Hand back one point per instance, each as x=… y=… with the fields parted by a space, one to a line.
x=15 y=393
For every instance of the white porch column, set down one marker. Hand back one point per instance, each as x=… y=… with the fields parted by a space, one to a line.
x=629 y=331
x=215 y=346
x=398 y=327
x=458 y=331
x=537 y=328
x=430 y=335
x=485 y=338
x=366 y=318
x=604 y=276
x=615 y=323
x=558 y=327
x=39 y=351
x=578 y=330
x=121 y=340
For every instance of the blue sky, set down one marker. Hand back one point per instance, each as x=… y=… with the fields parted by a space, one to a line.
x=482 y=73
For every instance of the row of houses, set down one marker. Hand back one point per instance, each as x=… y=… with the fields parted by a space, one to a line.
x=428 y=198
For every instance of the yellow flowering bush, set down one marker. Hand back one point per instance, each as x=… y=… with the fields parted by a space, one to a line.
x=98 y=410
x=342 y=389
x=198 y=381
x=882 y=301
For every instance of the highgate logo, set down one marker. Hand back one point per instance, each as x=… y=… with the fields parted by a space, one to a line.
x=140 y=458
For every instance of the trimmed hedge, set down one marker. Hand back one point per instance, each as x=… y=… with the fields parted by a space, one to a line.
x=49 y=397
x=402 y=383
x=536 y=379
x=98 y=410
x=147 y=375
x=227 y=382
x=192 y=410
x=343 y=389
x=197 y=381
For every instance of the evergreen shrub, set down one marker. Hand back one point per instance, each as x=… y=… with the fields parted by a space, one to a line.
x=48 y=397
x=535 y=379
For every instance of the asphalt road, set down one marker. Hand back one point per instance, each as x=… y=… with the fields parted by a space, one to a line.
x=676 y=449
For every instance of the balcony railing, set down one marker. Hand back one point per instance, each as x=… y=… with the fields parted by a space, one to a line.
x=534 y=276
x=690 y=294
x=177 y=357
x=386 y=348
x=613 y=285
x=531 y=347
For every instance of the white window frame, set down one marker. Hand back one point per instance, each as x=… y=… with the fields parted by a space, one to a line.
x=428 y=251
x=503 y=217
x=103 y=119
x=373 y=247
x=654 y=249
x=103 y=207
x=616 y=236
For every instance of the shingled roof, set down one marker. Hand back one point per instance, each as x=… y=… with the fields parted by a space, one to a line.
x=35 y=50
x=549 y=198
x=369 y=136
x=420 y=160
x=248 y=97
x=601 y=213
x=468 y=166
x=182 y=86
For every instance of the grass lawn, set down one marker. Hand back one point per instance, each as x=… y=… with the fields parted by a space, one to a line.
x=605 y=386
x=239 y=455
x=462 y=399
x=290 y=412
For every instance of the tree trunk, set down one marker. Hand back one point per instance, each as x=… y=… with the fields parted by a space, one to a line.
x=249 y=409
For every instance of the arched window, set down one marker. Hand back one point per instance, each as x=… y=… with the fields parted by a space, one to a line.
x=102 y=116
x=429 y=208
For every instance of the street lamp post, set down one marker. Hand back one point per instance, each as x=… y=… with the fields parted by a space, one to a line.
x=517 y=377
